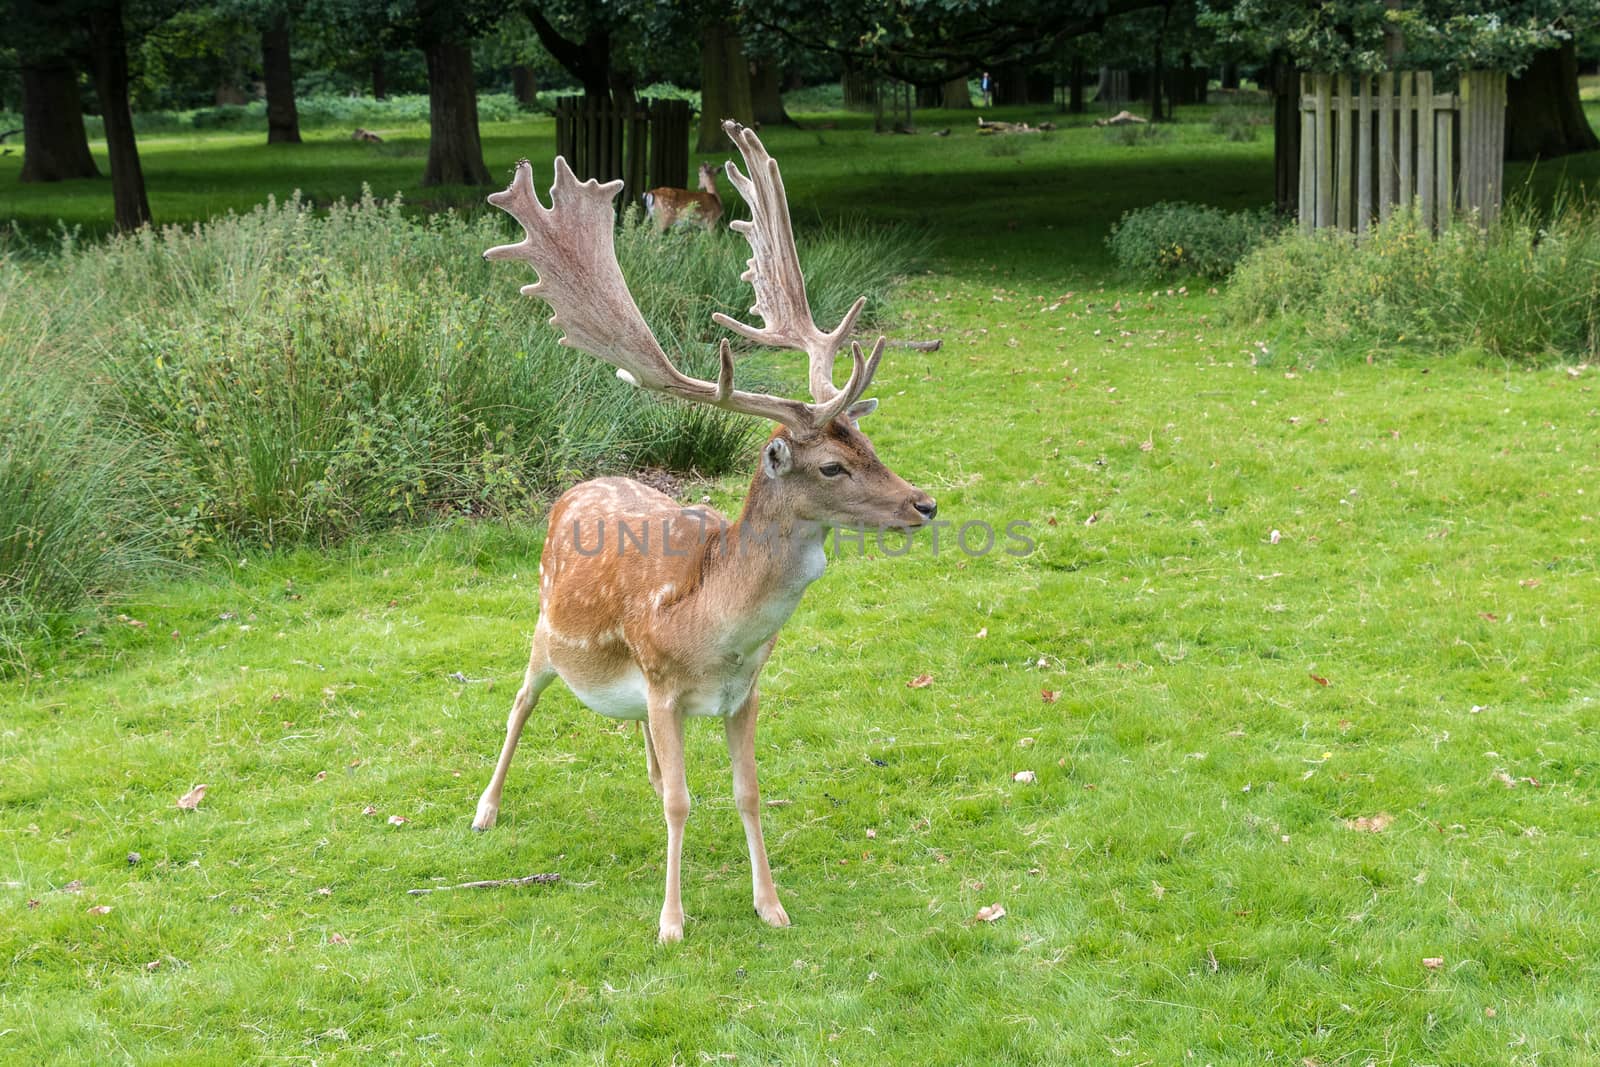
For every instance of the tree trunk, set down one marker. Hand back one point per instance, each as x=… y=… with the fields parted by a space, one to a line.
x=1187 y=83
x=956 y=95
x=1230 y=76
x=283 y=119
x=623 y=97
x=1544 y=117
x=1075 y=86
x=724 y=85
x=1284 y=80
x=54 y=144
x=860 y=91
x=380 y=77
x=524 y=86
x=588 y=60
x=766 y=94
x=455 y=155
x=108 y=50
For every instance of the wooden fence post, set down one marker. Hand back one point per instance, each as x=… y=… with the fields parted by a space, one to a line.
x=1483 y=102
x=1408 y=144
x=1363 y=159
x=1425 y=186
x=1324 y=138
x=1306 y=206
x=1388 y=177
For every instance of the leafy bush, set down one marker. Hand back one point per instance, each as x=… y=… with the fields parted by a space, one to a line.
x=1527 y=289
x=1173 y=239
x=288 y=376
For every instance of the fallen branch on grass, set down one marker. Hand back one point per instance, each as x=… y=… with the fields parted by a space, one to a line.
x=915 y=346
x=492 y=883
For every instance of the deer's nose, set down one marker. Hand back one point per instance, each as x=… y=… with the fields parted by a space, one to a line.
x=927 y=507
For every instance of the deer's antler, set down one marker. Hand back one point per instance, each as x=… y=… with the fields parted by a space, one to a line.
x=570 y=244
x=774 y=273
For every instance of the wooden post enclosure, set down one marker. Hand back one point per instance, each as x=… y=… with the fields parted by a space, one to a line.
x=1371 y=143
x=646 y=145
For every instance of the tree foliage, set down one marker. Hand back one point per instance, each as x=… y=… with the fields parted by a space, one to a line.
x=1355 y=36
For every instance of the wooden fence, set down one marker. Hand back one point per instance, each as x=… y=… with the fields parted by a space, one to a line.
x=1370 y=144
x=646 y=145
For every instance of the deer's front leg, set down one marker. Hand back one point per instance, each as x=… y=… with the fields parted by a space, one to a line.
x=666 y=740
x=747 y=798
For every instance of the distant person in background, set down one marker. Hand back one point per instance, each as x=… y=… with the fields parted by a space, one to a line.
x=986 y=83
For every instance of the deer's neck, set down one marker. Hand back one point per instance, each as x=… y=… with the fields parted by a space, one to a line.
x=763 y=565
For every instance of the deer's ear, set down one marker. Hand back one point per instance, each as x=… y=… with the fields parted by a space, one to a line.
x=776 y=459
x=861 y=409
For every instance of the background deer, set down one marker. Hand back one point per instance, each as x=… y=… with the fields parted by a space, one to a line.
x=683 y=628
x=665 y=206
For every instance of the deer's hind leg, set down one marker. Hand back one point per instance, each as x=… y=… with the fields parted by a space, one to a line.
x=539 y=675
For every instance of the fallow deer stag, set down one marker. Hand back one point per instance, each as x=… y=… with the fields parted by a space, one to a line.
x=684 y=630
x=666 y=206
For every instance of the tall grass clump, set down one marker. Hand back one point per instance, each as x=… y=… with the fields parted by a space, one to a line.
x=70 y=489
x=1525 y=289
x=289 y=376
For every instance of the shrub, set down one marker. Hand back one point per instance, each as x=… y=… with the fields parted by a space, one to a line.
x=1173 y=239
x=287 y=376
x=1527 y=289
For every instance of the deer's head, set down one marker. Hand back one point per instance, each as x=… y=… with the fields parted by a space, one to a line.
x=708 y=176
x=833 y=476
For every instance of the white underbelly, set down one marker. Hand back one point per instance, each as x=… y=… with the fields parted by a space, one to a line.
x=623 y=697
x=627 y=697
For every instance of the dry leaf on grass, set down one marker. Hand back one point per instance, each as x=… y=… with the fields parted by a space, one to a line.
x=1049 y=696
x=369 y=810
x=1319 y=679
x=191 y=800
x=1025 y=777
x=921 y=681
x=990 y=913
x=338 y=939
x=100 y=909
x=398 y=820
x=1433 y=963
x=1371 y=824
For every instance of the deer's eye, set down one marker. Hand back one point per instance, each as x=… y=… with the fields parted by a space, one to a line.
x=831 y=470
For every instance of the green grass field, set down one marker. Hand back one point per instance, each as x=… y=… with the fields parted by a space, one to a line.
x=1306 y=664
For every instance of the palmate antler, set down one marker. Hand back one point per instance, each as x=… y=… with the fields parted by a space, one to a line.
x=774 y=271
x=571 y=246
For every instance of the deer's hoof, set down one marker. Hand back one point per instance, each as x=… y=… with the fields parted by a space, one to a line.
x=773 y=914
x=671 y=930
x=485 y=818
